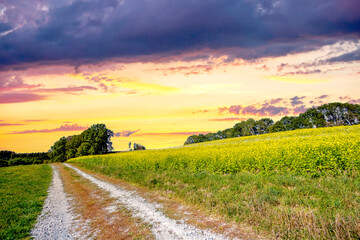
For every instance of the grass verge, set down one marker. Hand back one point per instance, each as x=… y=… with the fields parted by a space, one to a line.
x=286 y=206
x=23 y=190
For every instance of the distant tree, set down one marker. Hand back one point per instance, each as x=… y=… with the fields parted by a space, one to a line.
x=139 y=147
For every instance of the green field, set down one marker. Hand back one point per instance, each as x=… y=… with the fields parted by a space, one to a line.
x=23 y=190
x=296 y=184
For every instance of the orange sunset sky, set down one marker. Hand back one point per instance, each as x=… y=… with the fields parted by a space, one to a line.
x=159 y=95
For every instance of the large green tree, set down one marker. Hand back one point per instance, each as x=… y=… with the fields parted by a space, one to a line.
x=94 y=140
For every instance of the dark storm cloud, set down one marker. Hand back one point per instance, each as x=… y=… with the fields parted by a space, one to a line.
x=89 y=31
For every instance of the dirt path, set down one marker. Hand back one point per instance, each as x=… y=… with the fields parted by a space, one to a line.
x=56 y=221
x=162 y=226
x=86 y=205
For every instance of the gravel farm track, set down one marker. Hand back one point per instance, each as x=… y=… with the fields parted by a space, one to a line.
x=86 y=205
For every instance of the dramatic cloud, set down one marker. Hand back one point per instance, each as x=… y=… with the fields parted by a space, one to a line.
x=77 y=31
x=126 y=133
x=62 y=128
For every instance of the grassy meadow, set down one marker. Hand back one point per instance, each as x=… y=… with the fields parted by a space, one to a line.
x=23 y=190
x=301 y=184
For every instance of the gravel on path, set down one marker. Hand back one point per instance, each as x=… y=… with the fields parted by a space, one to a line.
x=56 y=220
x=161 y=226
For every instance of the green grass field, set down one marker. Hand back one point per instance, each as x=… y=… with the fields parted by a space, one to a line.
x=301 y=184
x=23 y=190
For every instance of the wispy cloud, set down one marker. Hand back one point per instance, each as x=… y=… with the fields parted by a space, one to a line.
x=227 y=119
x=2 y=124
x=126 y=133
x=20 y=97
x=295 y=79
x=62 y=128
x=35 y=120
x=172 y=133
x=10 y=82
x=186 y=70
x=69 y=89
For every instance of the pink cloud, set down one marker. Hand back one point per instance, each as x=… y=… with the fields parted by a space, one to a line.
x=10 y=82
x=20 y=97
x=69 y=89
x=35 y=120
x=10 y=124
x=62 y=128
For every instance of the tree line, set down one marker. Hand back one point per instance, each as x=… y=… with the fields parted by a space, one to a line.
x=94 y=140
x=10 y=158
x=327 y=115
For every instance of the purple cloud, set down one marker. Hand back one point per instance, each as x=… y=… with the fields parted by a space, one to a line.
x=11 y=82
x=264 y=110
x=299 y=109
x=35 y=120
x=323 y=96
x=297 y=100
x=126 y=133
x=62 y=128
x=77 y=31
x=10 y=124
x=20 y=97
x=69 y=89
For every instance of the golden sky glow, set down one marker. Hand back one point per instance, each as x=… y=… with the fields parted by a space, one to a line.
x=160 y=104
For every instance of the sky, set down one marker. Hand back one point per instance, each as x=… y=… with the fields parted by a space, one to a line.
x=158 y=71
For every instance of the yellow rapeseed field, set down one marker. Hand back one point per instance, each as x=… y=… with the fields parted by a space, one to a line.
x=307 y=151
